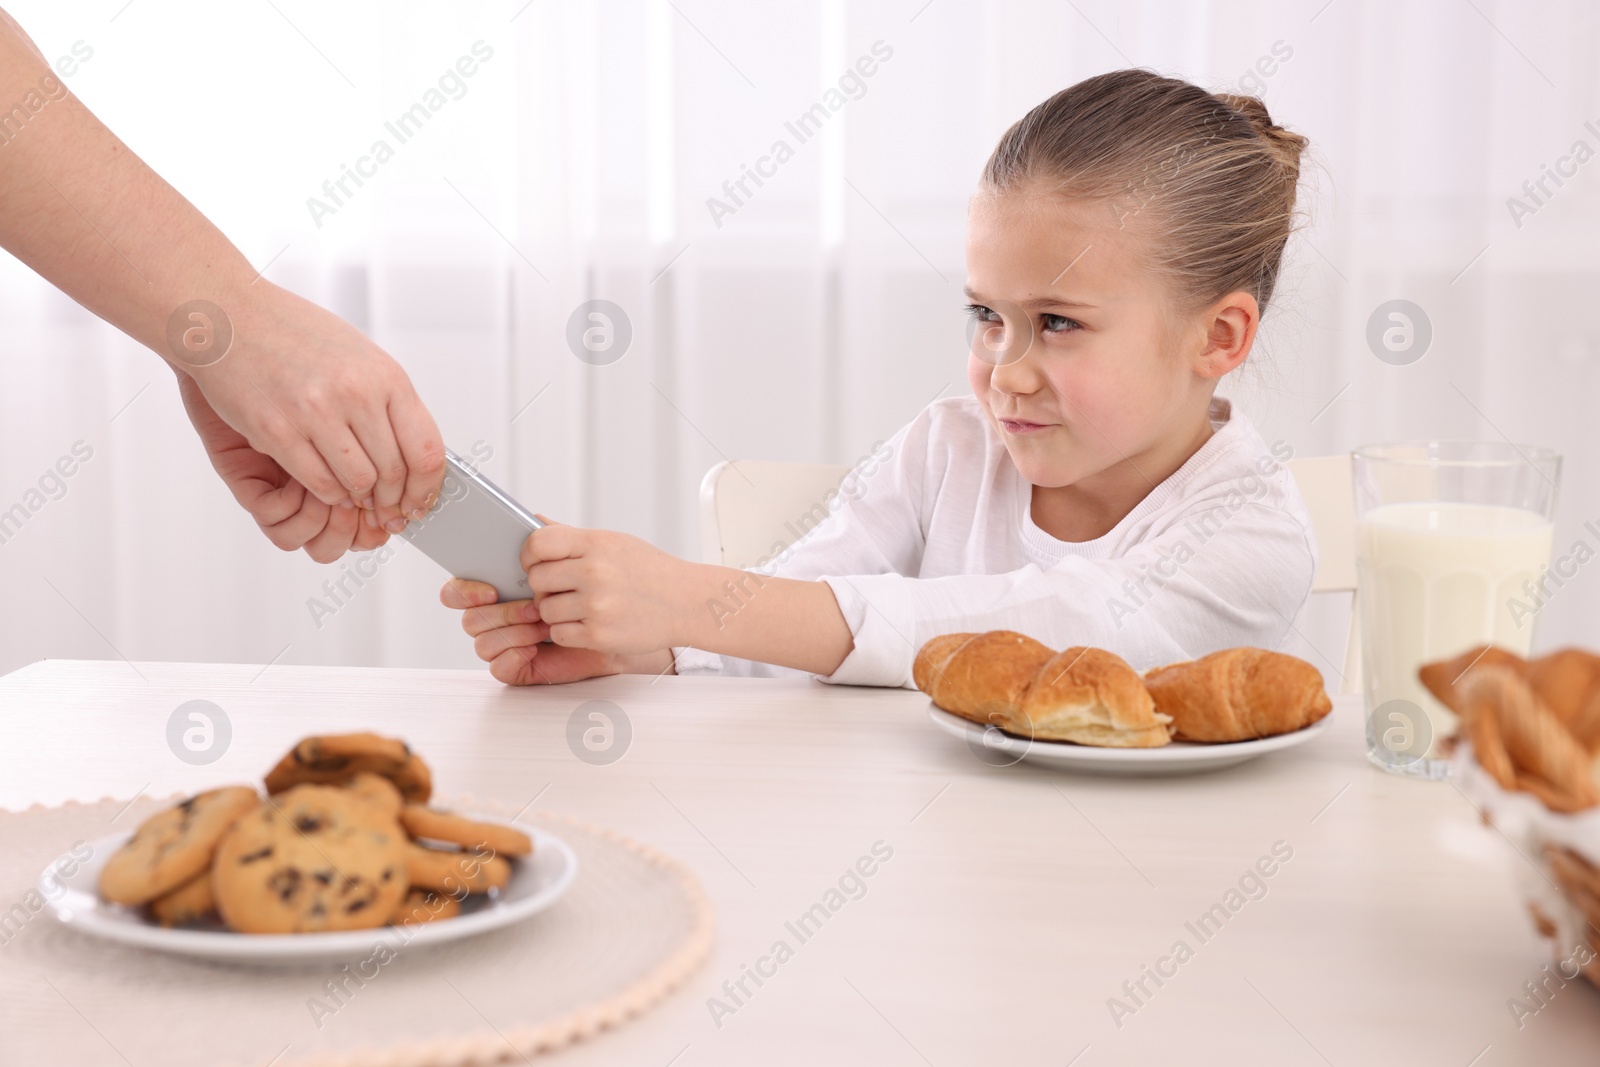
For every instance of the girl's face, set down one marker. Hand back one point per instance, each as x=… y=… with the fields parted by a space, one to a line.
x=1087 y=370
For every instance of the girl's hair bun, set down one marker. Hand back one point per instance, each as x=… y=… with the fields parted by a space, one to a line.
x=1287 y=145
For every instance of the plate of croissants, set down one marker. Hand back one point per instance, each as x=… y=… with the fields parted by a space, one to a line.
x=1011 y=697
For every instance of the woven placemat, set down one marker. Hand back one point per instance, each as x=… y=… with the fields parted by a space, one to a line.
x=633 y=926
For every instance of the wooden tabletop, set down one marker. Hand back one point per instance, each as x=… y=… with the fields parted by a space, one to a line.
x=1009 y=912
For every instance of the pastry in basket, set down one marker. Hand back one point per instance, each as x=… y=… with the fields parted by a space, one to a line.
x=1085 y=695
x=1445 y=678
x=1521 y=742
x=337 y=758
x=1568 y=681
x=1521 y=721
x=1239 y=694
x=174 y=845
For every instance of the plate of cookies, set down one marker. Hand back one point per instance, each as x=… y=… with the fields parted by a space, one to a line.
x=341 y=842
x=1012 y=698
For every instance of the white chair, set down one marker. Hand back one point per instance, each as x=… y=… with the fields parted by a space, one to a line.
x=749 y=509
x=1325 y=485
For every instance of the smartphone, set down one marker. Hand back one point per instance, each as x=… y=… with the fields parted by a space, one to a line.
x=475 y=530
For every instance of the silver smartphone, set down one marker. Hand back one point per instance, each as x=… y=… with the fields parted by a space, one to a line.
x=475 y=530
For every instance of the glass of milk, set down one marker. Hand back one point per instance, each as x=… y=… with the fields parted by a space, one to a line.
x=1447 y=535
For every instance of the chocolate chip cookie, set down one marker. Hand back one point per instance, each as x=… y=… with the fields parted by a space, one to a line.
x=437 y=825
x=173 y=846
x=379 y=790
x=312 y=858
x=336 y=758
x=425 y=906
x=191 y=902
x=454 y=872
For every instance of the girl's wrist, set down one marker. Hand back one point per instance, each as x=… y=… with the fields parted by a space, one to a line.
x=659 y=662
x=711 y=599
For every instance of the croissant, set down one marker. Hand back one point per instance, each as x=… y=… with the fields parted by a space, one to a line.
x=1444 y=679
x=978 y=676
x=1085 y=695
x=1524 y=745
x=1568 y=681
x=1239 y=694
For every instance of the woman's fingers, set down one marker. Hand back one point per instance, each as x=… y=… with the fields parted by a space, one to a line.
x=301 y=527
x=342 y=451
x=269 y=506
x=376 y=436
x=336 y=537
x=302 y=460
x=368 y=537
x=421 y=447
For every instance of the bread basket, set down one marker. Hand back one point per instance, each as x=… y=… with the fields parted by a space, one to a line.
x=1527 y=758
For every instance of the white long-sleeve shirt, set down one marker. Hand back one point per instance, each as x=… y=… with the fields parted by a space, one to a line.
x=933 y=534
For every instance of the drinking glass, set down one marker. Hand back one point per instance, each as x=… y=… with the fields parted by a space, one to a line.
x=1452 y=540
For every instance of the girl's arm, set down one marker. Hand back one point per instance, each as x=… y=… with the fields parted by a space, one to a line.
x=701 y=617
x=597 y=589
x=784 y=621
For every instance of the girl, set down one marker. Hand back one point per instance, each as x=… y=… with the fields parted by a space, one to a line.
x=1122 y=244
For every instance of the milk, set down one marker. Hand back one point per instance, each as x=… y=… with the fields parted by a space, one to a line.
x=1435 y=580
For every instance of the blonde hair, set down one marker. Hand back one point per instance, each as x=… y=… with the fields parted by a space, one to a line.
x=1211 y=174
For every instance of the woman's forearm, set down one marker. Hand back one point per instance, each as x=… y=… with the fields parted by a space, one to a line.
x=88 y=215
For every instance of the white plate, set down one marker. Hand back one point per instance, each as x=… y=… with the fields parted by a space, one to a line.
x=999 y=749
x=537 y=881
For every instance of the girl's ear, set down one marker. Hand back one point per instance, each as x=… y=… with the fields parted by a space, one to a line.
x=1230 y=331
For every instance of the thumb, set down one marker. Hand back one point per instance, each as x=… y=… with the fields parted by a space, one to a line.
x=547 y=520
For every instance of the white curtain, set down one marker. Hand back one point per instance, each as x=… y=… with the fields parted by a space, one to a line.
x=802 y=316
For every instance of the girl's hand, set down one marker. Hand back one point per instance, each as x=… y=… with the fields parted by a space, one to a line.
x=507 y=637
x=610 y=592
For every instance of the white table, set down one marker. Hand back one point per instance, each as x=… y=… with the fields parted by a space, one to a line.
x=1017 y=902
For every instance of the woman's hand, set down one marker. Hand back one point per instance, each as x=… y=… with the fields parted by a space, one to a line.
x=508 y=637
x=333 y=409
x=290 y=517
x=333 y=412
